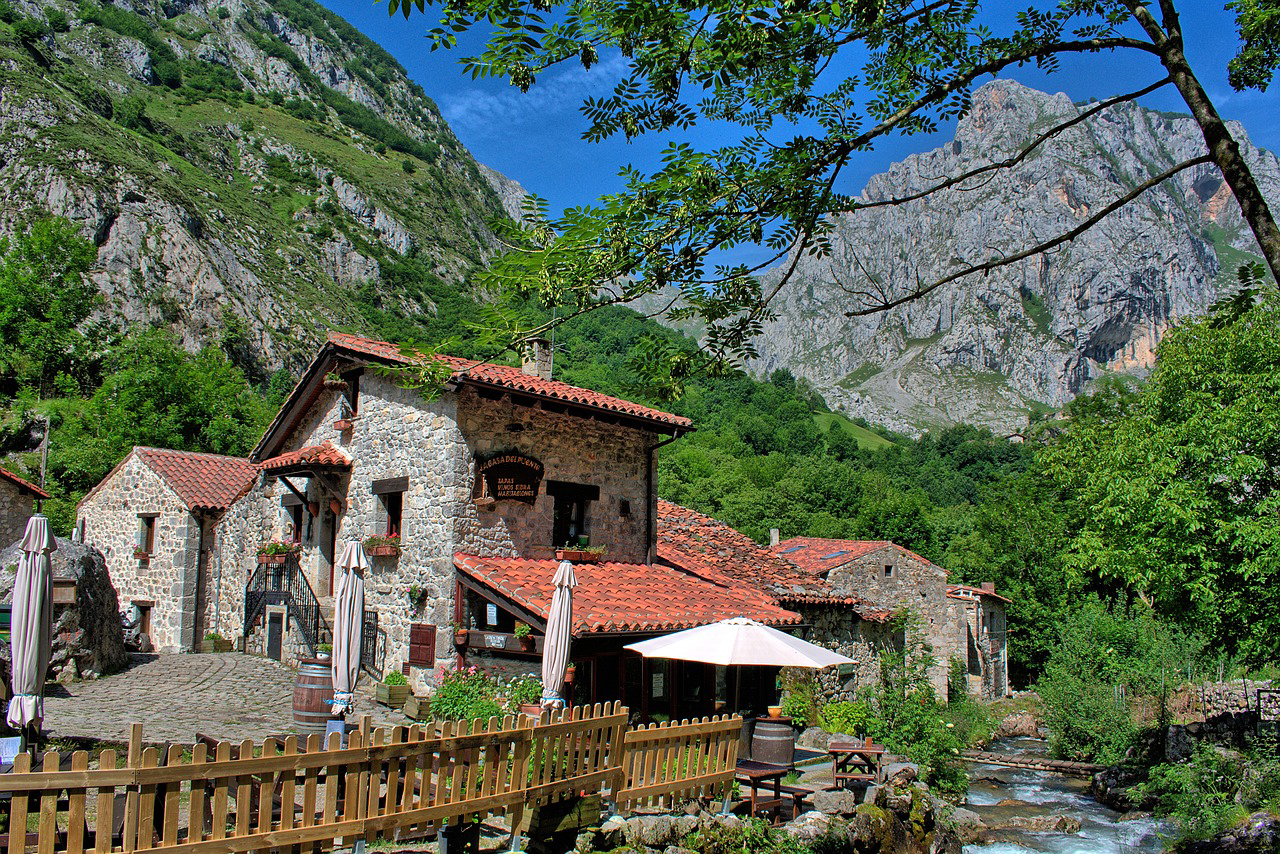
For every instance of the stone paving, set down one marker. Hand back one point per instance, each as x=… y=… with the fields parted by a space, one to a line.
x=226 y=695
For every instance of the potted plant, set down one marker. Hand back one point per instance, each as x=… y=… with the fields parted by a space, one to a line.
x=324 y=651
x=570 y=672
x=524 y=693
x=582 y=554
x=382 y=546
x=277 y=551
x=214 y=642
x=524 y=635
x=334 y=382
x=459 y=635
x=141 y=554
x=393 y=690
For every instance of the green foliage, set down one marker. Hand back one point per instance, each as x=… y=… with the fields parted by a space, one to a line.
x=1215 y=788
x=1259 y=25
x=1108 y=659
x=525 y=689
x=1180 y=479
x=30 y=29
x=394 y=677
x=57 y=19
x=465 y=695
x=44 y=298
x=754 y=836
x=845 y=716
x=799 y=701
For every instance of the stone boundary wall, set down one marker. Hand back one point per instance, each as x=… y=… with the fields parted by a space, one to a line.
x=15 y=509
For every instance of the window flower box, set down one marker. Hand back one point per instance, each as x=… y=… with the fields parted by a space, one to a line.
x=385 y=546
x=277 y=551
x=580 y=555
x=141 y=554
x=342 y=425
x=272 y=559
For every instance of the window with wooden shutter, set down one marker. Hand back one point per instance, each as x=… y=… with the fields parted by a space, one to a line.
x=422 y=644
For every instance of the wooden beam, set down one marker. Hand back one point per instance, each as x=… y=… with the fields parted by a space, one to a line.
x=503 y=602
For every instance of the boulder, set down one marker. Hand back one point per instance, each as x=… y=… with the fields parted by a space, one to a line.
x=817 y=738
x=1018 y=725
x=1014 y=802
x=1043 y=823
x=901 y=773
x=1113 y=787
x=1258 y=834
x=88 y=641
x=837 y=802
x=808 y=827
x=967 y=825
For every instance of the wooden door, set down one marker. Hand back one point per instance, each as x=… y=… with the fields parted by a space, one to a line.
x=275 y=634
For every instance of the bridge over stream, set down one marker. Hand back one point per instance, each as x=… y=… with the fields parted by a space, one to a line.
x=1033 y=763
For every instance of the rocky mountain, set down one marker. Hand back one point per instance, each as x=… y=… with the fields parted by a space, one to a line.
x=1000 y=348
x=239 y=163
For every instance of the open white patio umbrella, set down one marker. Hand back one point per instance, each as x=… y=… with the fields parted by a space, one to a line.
x=738 y=640
x=348 y=627
x=32 y=626
x=555 y=646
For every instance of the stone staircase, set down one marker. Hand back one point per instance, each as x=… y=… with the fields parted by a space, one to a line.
x=327 y=610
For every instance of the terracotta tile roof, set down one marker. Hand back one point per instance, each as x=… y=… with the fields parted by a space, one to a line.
x=819 y=555
x=513 y=379
x=24 y=485
x=623 y=597
x=699 y=544
x=202 y=481
x=964 y=591
x=310 y=455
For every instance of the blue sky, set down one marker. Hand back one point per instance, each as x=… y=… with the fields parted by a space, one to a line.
x=535 y=138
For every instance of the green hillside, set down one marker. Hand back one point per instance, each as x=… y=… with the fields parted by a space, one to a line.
x=867 y=439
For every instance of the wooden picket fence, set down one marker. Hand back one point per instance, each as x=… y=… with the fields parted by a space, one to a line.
x=673 y=762
x=401 y=783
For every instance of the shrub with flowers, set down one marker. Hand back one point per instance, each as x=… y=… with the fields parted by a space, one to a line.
x=279 y=547
x=465 y=695
x=381 y=542
x=522 y=689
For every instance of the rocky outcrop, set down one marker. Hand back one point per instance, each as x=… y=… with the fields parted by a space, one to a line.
x=991 y=349
x=1258 y=834
x=268 y=201
x=88 y=641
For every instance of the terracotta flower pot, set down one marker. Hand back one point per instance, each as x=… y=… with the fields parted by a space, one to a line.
x=383 y=551
x=578 y=556
x=460 y=637
x=775 y=711
x=342 y=425
x=569 y=673
x=272 y=558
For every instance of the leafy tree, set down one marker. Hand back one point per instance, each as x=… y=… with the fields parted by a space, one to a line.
x=787 y=74
x=1180 y=479
x=44 y=299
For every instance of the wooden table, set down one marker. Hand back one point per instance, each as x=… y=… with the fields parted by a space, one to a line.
x=855 y=762
x=756 y=773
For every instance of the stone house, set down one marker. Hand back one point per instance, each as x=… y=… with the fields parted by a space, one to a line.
x=17 y=501
x=838 y=620
x=986 y=637
x=482 y=486
x=154 y=517
x=891 y=577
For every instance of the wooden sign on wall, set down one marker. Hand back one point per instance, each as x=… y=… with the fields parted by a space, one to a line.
x=511 y=476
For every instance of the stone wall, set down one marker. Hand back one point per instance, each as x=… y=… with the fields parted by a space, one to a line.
x=167 y=578
x=979 y=627
x=915 y=584
x=15 y=509
x=840 y=630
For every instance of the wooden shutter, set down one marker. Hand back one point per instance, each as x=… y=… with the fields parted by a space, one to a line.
x=422 y=644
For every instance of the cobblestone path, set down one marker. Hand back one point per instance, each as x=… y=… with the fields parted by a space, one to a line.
x=226 y=695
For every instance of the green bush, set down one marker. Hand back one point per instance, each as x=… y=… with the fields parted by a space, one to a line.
x=465 y=695
x=844 y=716
x=30 y=29
x=394 y=677
x=800 y=695
x=523 y=689
x=57 y=19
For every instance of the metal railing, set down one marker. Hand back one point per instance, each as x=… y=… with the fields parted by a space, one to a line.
x=373 y=646
x=285 y=584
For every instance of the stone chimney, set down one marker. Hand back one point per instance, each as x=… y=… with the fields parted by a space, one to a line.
x=774 y=537
x=988 y=587
x=536 y=358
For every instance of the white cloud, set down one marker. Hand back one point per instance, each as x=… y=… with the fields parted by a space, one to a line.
x=555 y=93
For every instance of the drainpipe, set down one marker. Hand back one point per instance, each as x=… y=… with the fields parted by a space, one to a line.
x=201 y=584
x=650 y=500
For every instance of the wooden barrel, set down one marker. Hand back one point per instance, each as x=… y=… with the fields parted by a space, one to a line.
x=312 y=696
x=774 y=741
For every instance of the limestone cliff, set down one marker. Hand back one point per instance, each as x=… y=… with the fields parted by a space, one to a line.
x=249 y=159
x=996 y=349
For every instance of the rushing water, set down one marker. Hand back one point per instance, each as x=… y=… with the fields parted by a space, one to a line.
x=1043 y=794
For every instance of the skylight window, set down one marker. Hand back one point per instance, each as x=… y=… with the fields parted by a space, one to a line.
x=834 y=554
x=790 y=550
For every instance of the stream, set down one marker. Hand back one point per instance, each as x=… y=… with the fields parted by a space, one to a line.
x=1044 y=794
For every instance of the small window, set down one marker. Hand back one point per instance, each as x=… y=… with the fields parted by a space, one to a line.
x=390 y=494
x=624 y=507
x=888 y=570
x=295 y=522
x=569 y=522
x=147 y=533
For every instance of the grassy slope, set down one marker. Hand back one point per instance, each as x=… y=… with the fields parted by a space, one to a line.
x=867 y=440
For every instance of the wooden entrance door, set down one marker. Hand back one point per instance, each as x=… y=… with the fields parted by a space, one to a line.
x=275 y=634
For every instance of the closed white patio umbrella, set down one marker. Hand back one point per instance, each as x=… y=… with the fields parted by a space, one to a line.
x=348 y=627
x=32 y=626
x=738 y=640
x=555 y=646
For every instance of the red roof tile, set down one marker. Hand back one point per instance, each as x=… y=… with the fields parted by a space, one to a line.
x=697 y=543
x=202 y=481
x=964 y=591
x=624 y=597
x=310 y=455
x=24 y=485
x=819 y=555
x=513 y=379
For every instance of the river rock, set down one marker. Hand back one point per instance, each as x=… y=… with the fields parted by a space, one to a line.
x=808 y=827
x=1258 y=834
x=901 y=773
x=1113 y=787
x=817 y=738
x=838 y=802
x=1014 y=802
x=1043 y=823
x=88 y=641
x=1018 y=725
x=967 y=825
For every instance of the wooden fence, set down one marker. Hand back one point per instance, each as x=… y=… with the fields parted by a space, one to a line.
x=401 y=783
